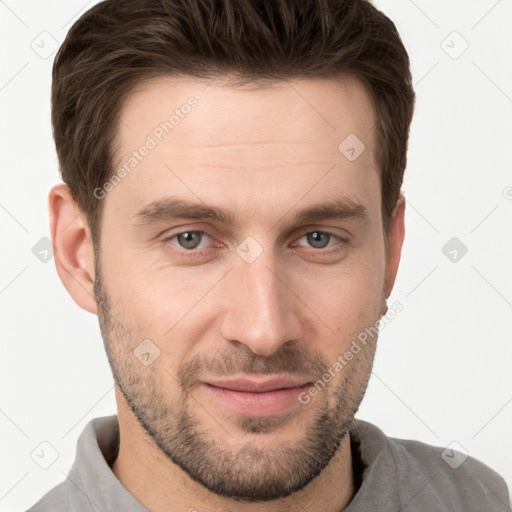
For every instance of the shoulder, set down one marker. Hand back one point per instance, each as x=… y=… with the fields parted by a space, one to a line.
x=55 y=500
x=454 y=475
x=446 y=477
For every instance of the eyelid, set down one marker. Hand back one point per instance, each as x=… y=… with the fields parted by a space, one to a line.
x=340 y=233
x=340 y=239
x=170 y=237
x=305 y=231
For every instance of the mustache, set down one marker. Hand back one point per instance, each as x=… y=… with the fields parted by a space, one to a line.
x=291 y=360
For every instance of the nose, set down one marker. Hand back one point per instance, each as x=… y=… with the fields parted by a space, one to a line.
x=260 y=307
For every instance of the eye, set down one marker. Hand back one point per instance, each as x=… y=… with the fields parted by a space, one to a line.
x=198 y=243
x=189 y=240
x=320 y=239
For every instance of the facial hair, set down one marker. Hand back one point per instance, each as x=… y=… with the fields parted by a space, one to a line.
x=253 y=470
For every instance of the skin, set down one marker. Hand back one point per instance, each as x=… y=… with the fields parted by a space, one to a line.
x=262 y=153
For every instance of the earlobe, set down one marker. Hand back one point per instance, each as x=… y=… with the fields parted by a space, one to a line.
x=74 y=256
x=396 y=240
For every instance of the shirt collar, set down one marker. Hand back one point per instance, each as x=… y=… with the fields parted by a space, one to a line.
x=91 y=482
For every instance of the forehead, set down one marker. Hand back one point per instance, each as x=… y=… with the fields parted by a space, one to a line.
x=238 y=114
x=209 y=137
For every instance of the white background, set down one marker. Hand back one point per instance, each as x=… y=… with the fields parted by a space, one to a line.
x=443 y=367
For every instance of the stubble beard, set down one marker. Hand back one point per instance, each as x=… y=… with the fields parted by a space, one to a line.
x=254 y=470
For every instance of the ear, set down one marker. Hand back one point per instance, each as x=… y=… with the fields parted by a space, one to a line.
x=396 y=240
x=74 y=256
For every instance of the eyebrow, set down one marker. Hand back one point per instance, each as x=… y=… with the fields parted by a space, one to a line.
x=170 y=208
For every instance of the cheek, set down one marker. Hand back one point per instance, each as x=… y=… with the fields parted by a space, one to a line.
x=155 y=294
x=171 y=307
x=346 y=300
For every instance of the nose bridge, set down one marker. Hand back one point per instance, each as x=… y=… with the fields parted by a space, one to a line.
x=260 y=311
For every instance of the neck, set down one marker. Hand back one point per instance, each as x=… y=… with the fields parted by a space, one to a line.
x=160 y=485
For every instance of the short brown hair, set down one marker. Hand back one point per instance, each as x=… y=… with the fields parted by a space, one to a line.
x=117 y=44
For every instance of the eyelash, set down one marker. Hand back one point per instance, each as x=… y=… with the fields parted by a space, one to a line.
x=201 y=252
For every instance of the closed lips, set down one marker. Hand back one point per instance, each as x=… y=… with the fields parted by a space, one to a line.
x=258 y=386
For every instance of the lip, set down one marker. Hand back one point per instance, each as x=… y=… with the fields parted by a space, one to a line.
x=257 y=385
x=258 y=397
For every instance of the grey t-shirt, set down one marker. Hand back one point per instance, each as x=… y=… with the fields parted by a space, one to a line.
x=395 y=475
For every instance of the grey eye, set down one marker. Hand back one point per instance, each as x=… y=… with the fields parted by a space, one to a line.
x=189 y=239
x=318 y=239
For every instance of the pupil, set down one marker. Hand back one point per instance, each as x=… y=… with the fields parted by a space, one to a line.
x=188 y=240
x=315 y=239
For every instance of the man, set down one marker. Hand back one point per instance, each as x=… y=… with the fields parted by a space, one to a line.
x=231 y=210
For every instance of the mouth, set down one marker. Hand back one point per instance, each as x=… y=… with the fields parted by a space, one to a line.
x=257 y=396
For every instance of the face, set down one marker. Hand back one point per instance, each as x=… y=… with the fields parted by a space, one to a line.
x=243 y=243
